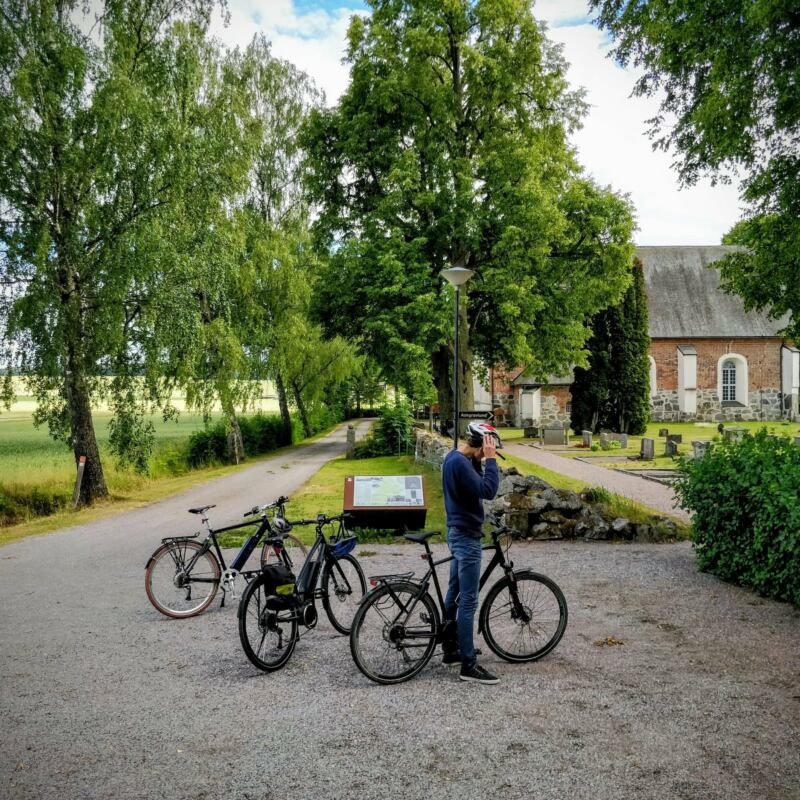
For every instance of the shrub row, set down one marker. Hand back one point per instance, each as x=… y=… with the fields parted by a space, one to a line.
x=746 y=501
x=261 y=433
x=391 y=434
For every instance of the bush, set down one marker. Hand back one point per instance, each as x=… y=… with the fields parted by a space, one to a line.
x=746 y=526
x=391 y=435
x=209 y=446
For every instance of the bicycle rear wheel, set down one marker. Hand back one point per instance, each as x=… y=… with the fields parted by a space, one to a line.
x=294 y=549
x=524 y=619
x=391 y=641
x=173 y=591
x=268 y=635
x=343 y=586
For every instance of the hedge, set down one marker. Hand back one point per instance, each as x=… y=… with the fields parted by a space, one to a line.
x=745 y=497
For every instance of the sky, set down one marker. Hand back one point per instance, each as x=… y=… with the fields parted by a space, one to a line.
x=613 y=145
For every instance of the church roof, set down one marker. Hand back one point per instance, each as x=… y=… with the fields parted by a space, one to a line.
x=685 y=301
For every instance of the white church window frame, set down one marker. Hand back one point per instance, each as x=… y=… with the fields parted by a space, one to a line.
x=733 y=379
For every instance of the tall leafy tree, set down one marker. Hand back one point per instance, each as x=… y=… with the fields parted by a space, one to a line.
x=728 y=75
x=450 y=146
x=119 y=138
x=614 y=390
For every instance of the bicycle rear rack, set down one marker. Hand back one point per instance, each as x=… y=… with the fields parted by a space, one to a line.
x=374 y=580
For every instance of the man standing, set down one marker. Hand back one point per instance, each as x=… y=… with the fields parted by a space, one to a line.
x=466 y=486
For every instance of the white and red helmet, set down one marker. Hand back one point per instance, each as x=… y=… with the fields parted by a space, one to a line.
x=477 y=430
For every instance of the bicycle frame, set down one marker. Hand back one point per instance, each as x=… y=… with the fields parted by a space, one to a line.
x=424 y=583
x=241 y=557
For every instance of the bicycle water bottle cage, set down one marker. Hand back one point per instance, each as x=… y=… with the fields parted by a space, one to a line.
x=344 y=546
x=421 y=538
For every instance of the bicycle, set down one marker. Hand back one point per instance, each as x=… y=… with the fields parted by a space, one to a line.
x=269 y=622
x=183 y=575
x=397 y=625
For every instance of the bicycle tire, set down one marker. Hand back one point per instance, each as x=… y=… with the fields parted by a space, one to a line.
x=373 y=627
x=342 y=603
x=542 y=601
x=293 y=547
x=259 y=625
x=164 y=592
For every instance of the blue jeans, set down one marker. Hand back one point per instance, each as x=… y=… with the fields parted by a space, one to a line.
x=461 y=600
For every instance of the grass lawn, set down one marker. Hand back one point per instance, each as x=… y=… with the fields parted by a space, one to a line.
x=324 y=492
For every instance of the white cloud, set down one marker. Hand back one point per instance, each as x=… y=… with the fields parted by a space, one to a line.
x=315 y=40
x=613 y=145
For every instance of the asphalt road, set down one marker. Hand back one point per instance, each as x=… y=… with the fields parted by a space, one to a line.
x=102 y=697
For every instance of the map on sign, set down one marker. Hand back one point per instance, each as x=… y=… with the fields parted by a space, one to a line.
x=388 y=490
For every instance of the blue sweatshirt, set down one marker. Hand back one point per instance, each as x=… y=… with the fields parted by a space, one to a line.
x=465 y=486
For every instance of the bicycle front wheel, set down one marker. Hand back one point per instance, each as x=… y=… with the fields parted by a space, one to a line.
x=293 y=548
x=268 y=635
x=523 y=619
x=343 y=586
x=172 y=588
x=393 y=637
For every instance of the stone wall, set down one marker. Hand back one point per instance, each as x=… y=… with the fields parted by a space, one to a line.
x=763 y=405
x=430 y=448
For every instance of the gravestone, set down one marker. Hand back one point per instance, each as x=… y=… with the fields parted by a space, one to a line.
x=733 y=434
x=648 y=451
x=797 y=440
x=675 y=437
x=623 y=440
x=604 y=441
x=663 y=432
x=587 y=438
x=531 y=432
x=670 y=448
x=700 y=448
x=554 y=436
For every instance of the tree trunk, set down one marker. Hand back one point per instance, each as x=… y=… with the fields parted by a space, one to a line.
x=235 y=441
x=283 y=403
x=84 y=441
x=442 y=364
x=77 y=394
x=301 y=408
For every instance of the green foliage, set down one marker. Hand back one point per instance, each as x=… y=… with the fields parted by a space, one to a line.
x=391 y=435
x=746 y=524
x=121 y=139
x=727 y=76
x=450 y=146
x=614 y=391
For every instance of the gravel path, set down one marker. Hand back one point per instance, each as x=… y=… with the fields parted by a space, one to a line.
x=649 y=493
x=102 y=697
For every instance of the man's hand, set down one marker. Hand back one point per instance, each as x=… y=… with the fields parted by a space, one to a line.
x=489 y=448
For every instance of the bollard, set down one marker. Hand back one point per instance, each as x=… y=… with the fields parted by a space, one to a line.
x=76 y=494
x=351 y=441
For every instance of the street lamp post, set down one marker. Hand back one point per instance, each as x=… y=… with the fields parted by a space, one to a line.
x=456 y=277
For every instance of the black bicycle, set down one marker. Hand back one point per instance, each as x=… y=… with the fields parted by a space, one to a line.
x=397 y=626
x=183 y=575
x=270 y=613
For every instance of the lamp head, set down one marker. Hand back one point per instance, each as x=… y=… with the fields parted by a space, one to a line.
x=457 y=276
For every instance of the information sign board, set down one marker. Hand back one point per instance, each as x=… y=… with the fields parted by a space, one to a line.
x=388 y=502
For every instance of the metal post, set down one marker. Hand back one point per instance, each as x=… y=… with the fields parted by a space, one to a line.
x=455 y=380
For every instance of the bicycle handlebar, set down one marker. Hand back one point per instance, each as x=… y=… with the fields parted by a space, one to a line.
x=263 y=509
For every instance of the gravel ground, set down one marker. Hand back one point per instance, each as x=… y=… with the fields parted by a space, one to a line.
x=104 y=698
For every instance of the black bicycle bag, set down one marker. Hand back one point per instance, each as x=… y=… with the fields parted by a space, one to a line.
x=279 y=583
